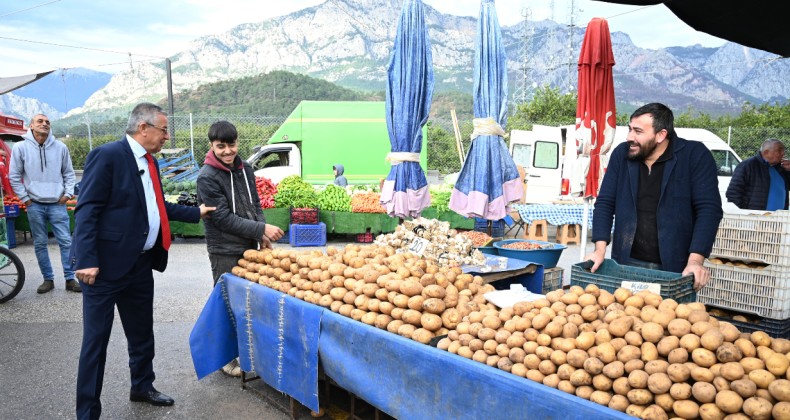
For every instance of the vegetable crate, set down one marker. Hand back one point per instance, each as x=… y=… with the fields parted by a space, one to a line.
x=774 y=327
x=304 y=216
x=552 y=279
x=497 y=227
x=365 y=238
x=610 y=276
x=764 y=292
x=764 y=238
x=307 y=235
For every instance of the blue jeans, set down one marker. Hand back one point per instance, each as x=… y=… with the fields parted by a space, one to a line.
x=56 y=215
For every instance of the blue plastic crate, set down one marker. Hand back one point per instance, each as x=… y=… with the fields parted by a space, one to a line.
x=307 y=235
x=12 y=211
x=497 y=227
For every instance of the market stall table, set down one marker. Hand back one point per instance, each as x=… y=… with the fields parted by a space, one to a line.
x=554 y=214
x=283 y=339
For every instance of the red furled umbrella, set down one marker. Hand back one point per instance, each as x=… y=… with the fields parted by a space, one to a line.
x=595 y=110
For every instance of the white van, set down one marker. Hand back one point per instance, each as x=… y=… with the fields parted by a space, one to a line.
x=548 y=163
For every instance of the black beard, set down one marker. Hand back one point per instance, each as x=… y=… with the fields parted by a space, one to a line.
x=644 y=150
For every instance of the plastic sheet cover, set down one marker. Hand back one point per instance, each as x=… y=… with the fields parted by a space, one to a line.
x=274 y=335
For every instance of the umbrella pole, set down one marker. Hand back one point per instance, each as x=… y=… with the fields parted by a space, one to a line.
x=489 y=228
x=585 y=223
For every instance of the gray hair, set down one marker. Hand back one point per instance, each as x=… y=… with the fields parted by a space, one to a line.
x=143 y=113
x=771 y=143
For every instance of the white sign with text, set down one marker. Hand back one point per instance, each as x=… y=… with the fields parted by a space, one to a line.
x=638 y=286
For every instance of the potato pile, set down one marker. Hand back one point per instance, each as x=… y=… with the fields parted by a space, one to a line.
x=638 y=353
x=399 y=292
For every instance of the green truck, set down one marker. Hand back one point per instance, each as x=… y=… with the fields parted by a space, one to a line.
x=320 y=134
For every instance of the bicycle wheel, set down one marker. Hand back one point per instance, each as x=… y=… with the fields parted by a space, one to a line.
x=12 y=274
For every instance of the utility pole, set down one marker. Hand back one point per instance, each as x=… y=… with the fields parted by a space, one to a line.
x=522 y=85
x=171 y=106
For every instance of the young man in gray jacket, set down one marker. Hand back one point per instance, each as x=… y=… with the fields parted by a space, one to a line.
x=42 y=176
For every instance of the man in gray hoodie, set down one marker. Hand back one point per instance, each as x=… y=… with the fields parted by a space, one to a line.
x=42 y=176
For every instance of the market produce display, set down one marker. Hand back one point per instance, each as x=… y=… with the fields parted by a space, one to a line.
x=478 y=238
x=399 y=292
x=434 y=241
x=13 y=200
x=292 y=191
x=440 y=197
x=367 y=202
x=527 y=245
x=334 y=198
x=637 y=353
x=266 y=191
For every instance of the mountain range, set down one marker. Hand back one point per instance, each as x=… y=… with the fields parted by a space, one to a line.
x=348 y=42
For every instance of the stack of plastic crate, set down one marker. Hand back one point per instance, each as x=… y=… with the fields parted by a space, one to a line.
x=305 y=228
x=755 y=280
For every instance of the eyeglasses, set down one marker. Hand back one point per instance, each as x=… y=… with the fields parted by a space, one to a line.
x=164 y=129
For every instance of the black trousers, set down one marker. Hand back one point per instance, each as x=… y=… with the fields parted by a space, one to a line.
x=133 y=294
x=221 y=264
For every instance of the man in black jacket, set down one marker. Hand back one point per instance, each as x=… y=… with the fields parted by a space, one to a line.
x=762 y=181
x=238 y=224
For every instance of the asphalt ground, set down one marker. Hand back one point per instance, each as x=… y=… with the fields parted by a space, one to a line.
x=40 y=338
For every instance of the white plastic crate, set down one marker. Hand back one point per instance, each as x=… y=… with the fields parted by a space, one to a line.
x=764 y=292
x=763 y=238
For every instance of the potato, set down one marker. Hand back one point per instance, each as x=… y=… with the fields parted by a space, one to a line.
x=732 y=371
x=678 y=355
x=422 y=335
x=721 y=384
x=746 y=347
x=777 y=364
x=781 y=410
x=654 y=412
x=729 y=331
x=667 y=344
x=649 y=351
x=678 y=372
x=601 y=397
x=757 y=408
x=584 y=392
x=652 y=332
x=410 y=316
x=762 y=378
x=663 y=317
x=780 y=389
x=780 y=345
x=659 y=383
x=430 y=322
x=628 y=352
x=620 y=326
x=701 y=374
x=621 y=295
x=614 y=369
x=686 y=409
x=703 y=357
x=618 y=402
x=640 y=396
x=760 y=338
x=703 y=392
x=679 y=327
x=744 y=387
x=656 y=366
x=606 y=352
x=712 y=339
x=406 y=330
x=664 y=401
x=728 y=352
x=752 y=363
x=580 y=377
x=680 y=391
x=710 y=411
x=635 y=410
x=638 y=379
x=633 y=365
x=729 y=401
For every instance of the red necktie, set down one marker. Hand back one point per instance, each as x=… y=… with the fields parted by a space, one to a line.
x=160 y=202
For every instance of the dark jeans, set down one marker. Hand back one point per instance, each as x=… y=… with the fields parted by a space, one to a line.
x=221 y=264
x=644 y=264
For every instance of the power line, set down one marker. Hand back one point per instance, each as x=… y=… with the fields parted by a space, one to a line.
x=29 y=8
x=77 y=47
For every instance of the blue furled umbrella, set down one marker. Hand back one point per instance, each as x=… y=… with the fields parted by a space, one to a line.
x=409 y=91
x=489 y=180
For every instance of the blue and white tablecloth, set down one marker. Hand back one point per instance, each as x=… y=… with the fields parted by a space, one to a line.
x=554 y=214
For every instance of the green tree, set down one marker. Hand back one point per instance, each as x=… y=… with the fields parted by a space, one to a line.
x=548 y=106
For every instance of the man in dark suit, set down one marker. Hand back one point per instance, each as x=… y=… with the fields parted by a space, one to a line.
x=122 y=233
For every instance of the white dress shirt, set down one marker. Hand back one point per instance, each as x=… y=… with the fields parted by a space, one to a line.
x=148 y=187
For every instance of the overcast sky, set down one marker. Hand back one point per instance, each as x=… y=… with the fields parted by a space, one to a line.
x=41 y=35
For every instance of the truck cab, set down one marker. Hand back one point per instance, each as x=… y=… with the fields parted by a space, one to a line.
x=276 y=161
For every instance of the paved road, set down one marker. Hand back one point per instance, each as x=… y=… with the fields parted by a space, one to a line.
x=40 y=338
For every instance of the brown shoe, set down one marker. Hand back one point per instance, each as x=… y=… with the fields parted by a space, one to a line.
x=46 y=286
x=73 y=286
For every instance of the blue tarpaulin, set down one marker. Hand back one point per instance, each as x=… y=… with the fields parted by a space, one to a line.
x=408 y=101
x=400 y=376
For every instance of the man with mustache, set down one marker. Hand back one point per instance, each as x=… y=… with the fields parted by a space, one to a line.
x=661 y=193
